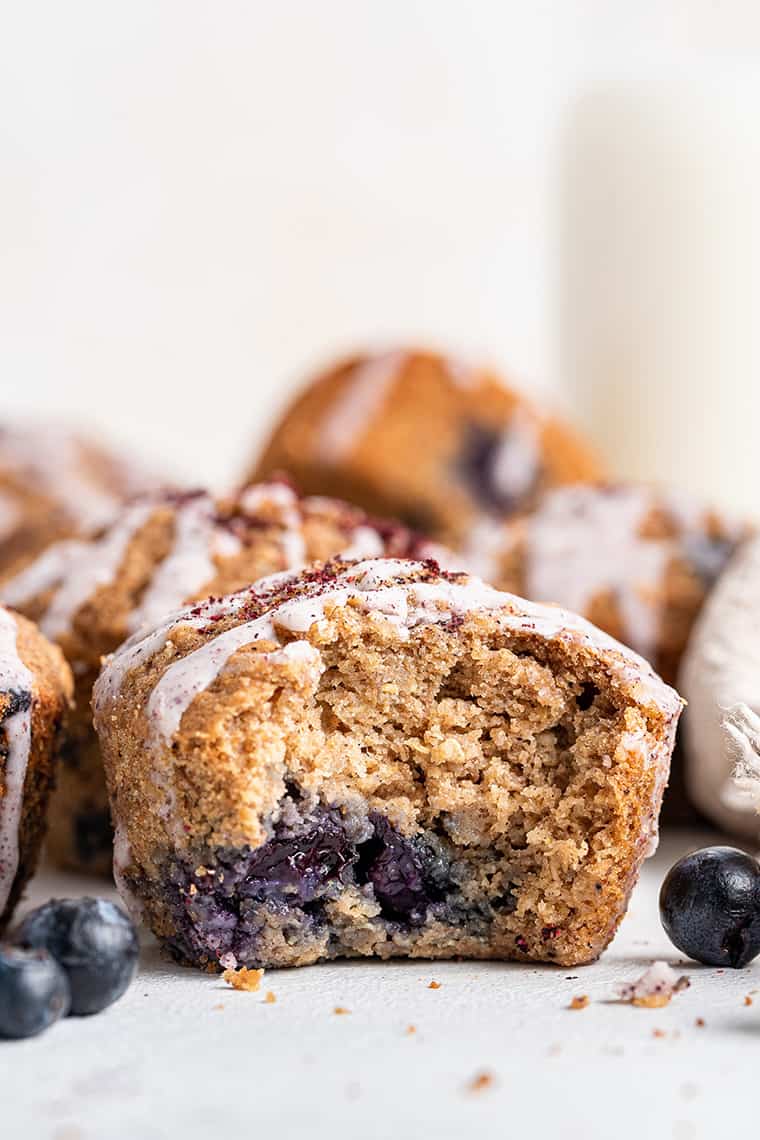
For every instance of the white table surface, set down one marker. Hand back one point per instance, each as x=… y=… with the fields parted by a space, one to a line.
x=184 y=1056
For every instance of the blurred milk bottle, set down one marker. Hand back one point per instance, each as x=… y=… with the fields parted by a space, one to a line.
x=660 y=282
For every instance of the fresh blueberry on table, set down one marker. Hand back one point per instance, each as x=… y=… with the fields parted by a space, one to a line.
x=710 y=906
x=93 y=941
x=34 y=992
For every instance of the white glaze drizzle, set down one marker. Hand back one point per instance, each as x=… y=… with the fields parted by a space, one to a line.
x=585 y=541
x=17 y=731
x=77 y=568
x=483 y=547
x=364 y=393
x=384 y=587
x=51 y=460
x=517 y=457
x=365 y=542
x=461 y=373
x=290 y=518
x=189 y=565
x=48 y=570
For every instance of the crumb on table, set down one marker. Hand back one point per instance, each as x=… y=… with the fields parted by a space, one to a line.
x=243 y=979
x=480 y=1082
x=434 y=986
x=579 y=1002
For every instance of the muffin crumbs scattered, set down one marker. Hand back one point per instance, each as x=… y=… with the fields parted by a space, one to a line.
x=244 y=979
x=341 y=1009
x=411 y=1030
x=434 y=986
x=480 y=1082
x=700 y=1023
x=747 y=999
x=579 y=1002
x=270 y=998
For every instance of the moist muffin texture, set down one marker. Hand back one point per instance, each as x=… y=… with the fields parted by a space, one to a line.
x=425 y=438
x=381 y=758
x=162 y=550
x=55 y=484
x=35 y=693
x=636 y=561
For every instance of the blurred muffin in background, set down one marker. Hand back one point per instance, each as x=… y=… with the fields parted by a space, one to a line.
x=54 y=484
x=636 y=561
x=424 y=438
x=35 y=696
x=162 y=550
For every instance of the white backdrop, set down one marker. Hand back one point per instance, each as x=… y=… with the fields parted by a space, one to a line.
x=200 y=200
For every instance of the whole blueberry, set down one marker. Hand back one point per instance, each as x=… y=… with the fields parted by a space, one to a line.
x=94 y=942
x=406 y=874
x=34 y=992
x=710 y=906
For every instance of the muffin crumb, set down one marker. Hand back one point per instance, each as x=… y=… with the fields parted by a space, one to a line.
x=579 y=1002
x=480 y=1082
x=244 y=979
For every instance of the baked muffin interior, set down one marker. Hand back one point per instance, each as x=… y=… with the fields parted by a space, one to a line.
x=466 y=786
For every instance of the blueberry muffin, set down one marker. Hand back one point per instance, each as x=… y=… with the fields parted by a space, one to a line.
x=421 y=437
x=636 y=561
x=55 y=484
x=380 y=758
x=35 y=693
x=164 y=549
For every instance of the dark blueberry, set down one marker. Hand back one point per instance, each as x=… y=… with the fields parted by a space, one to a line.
x=708 y=555
x=710 y=906
x=93 y=834
x=34 y=992
x=300 y=866
x=406 y=875
x=94 y=942
x=486 y=448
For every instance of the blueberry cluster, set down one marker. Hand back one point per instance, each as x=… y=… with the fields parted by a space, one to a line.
x=290 y=879
x=68 y=957
x=710 y=906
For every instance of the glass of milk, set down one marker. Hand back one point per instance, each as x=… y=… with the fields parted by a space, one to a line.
x=659 y=322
